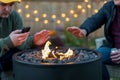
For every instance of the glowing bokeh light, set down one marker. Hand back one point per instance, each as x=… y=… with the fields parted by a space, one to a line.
x=63 y=15
x=27 y=15
x=19 y=10
x=53 y=16
x=58 y=21
x=67 y=19
x=44 y=15
x=45 y=22
x=79 y=7
x=89 y=6
x=72 y=11
x=75 y=15
x=37 y=19
x=96 y=10
x=27 y=6
x=35 y=11
x=83 y=10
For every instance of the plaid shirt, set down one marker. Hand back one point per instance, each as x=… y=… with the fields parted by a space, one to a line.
x=115 y=29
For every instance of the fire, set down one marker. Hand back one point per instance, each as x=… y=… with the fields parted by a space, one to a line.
x=68 y=54
x=47 y=51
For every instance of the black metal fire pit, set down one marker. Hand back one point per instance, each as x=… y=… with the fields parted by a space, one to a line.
x=82 y=69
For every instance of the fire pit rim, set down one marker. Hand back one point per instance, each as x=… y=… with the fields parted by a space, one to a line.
x=57 y=64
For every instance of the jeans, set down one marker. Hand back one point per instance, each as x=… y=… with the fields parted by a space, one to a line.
x=105 y=55
x=6 y=61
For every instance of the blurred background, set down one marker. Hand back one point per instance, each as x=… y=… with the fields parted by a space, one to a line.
x=56 y=15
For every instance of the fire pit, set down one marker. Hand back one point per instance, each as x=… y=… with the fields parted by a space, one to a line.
x=57 y=64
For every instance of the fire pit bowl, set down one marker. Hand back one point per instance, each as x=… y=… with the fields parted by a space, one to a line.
x=87 y=68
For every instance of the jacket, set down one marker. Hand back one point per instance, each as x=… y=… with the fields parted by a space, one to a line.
x=105 y=17
x=7 y=25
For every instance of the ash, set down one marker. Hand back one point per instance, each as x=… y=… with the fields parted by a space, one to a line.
x=80 y=56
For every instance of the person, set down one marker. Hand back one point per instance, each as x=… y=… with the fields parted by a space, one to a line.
x=11 y=38
x=109 y=16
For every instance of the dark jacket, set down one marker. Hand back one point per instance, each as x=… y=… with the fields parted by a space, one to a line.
x=104 y=17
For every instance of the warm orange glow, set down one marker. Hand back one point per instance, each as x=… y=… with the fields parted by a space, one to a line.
x=52 y=32
x=47 y=51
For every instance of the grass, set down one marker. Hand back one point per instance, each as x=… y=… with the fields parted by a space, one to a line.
x=115 y=79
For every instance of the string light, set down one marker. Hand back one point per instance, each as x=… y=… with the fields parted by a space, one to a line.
x=63 y=15
x=96 y=10
x=27 y=6
x=105 y=2
x=35 y=11
x=89 y=6
x=37 y=19
x=83 y=10
x=58 y=21
x=86 y=1
x=67 y=19
x=45 y=22
x=19 y=10
x=19 y=0
x=27 y=15
x=44 y=15
x=72 y=11
x=75 y=15
x=79 y=7
x=53 y=16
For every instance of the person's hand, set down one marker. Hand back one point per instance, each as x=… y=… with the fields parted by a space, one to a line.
x=18 y=38
x=76 y=31
x=41 y=37
x=115 y=56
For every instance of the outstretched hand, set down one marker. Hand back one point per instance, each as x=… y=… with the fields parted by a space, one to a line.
x=41 y=37
x=76 y=31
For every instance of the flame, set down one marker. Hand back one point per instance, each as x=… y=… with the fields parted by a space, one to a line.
x=46 y=52
x=68 y=54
